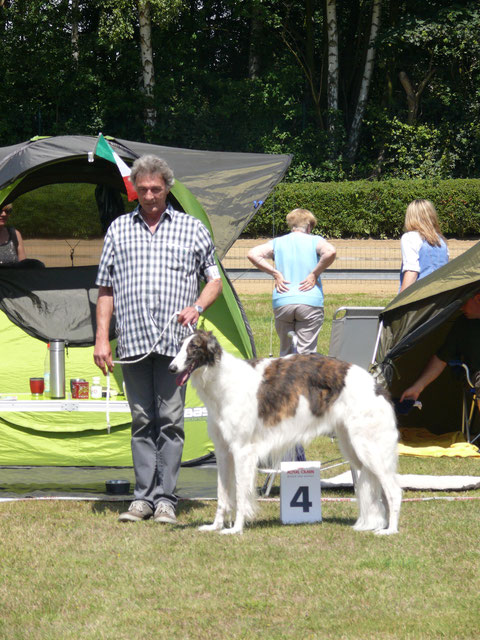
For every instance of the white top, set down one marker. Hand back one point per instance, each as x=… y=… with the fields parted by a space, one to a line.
x=411 y=243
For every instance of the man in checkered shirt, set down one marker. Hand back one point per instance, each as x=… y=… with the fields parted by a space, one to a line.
x=152 y=262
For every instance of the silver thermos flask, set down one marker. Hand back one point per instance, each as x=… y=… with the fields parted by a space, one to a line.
x=57 y=368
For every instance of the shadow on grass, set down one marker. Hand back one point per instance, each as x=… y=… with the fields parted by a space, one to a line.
x=275 y=523
x=270 y=524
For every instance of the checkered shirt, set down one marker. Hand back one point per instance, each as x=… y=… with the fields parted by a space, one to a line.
x=153 y=276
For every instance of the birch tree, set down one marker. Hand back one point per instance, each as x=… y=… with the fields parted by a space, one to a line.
x=333 y=70
x=255 y=37
x=121 y=19
x=354 y=134
x=146 y=54
x=74 y=36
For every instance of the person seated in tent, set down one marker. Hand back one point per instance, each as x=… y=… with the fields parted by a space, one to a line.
x=424 y=248
x=461 y=344
x=300 y=258
x=11 y=242
x=12 y=249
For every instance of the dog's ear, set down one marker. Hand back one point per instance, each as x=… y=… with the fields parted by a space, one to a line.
x=211 y=341
x=213 y=346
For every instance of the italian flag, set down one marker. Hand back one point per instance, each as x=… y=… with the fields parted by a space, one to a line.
x=105 y=151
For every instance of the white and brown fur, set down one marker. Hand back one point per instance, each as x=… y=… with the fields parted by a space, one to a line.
x=260 y=408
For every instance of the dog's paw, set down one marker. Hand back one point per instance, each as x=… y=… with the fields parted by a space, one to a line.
x=369 y=525
x=210 y=527
x=385 y=532
x=361 y=525
x=231 y=531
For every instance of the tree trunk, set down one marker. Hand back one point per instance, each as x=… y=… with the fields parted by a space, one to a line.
x=310 y=66
x=412 y=101
x=354 y=134
x=413 y=97
x=333 y=71
x=310 y=37
x=255 y=38
x=74 y=37
x=305 y=57
x=146 y=53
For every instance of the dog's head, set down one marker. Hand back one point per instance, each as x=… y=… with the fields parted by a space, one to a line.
x=198 y=350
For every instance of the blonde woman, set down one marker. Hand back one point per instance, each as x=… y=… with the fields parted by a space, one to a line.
x=424 y=248
x=300 y=258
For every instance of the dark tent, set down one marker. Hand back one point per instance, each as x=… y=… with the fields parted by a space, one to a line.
x=226 y=187
x=229 y=186
x=414 y=325
x=60 y=302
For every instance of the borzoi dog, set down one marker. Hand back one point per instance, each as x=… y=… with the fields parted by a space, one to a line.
x=261 y=408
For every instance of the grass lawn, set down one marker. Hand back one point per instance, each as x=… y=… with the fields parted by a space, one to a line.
x=69 y=570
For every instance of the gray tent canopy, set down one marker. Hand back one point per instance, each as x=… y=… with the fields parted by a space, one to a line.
x=415 y=325
x=228 y=185
x=61 y=302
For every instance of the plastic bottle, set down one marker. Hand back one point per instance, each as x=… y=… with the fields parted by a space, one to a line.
x=96 y=389
x=46 y=370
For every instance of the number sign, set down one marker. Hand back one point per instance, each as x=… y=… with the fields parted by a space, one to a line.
x=300 y=493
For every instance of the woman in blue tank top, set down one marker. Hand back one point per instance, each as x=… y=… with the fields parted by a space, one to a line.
x=424 y=248
x=300 y=258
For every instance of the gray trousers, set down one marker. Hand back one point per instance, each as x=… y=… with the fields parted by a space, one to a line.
x=305 y=320
x=157 y=406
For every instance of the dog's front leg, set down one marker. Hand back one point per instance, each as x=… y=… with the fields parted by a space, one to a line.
x=245 y=465
x=224 y=488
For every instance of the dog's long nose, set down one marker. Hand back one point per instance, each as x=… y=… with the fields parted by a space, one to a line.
x=172 y=367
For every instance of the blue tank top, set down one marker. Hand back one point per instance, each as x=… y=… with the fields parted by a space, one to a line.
x=431 y=258
x=296 y=256
x=428 y=258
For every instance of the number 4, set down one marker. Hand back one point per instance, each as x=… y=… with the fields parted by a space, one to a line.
x=300 y=499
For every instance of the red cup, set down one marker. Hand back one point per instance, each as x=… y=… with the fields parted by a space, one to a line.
x=37 y=386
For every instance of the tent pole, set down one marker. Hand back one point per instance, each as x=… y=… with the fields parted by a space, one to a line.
x=377 y=341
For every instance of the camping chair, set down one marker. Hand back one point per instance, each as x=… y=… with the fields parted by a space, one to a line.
x=469 y=400
x=354 y=338
x=354 y=334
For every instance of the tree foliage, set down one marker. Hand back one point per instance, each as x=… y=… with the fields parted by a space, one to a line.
x=254 y=75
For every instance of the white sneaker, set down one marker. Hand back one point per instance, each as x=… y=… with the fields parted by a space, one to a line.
x=165 y=512
x=138 y=510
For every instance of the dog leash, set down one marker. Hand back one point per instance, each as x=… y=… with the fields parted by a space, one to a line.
x=107 y=404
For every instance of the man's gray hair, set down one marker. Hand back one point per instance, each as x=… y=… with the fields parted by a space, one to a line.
x=150 y=165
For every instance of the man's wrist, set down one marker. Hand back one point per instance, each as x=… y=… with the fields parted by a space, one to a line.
x=198 y=308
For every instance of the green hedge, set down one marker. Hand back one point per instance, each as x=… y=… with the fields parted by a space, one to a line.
x=59 y=211
x=343 y=209
x=370 y=209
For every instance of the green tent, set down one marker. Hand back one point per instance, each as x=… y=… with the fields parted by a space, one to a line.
x=39 y=305
x=414 y=325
